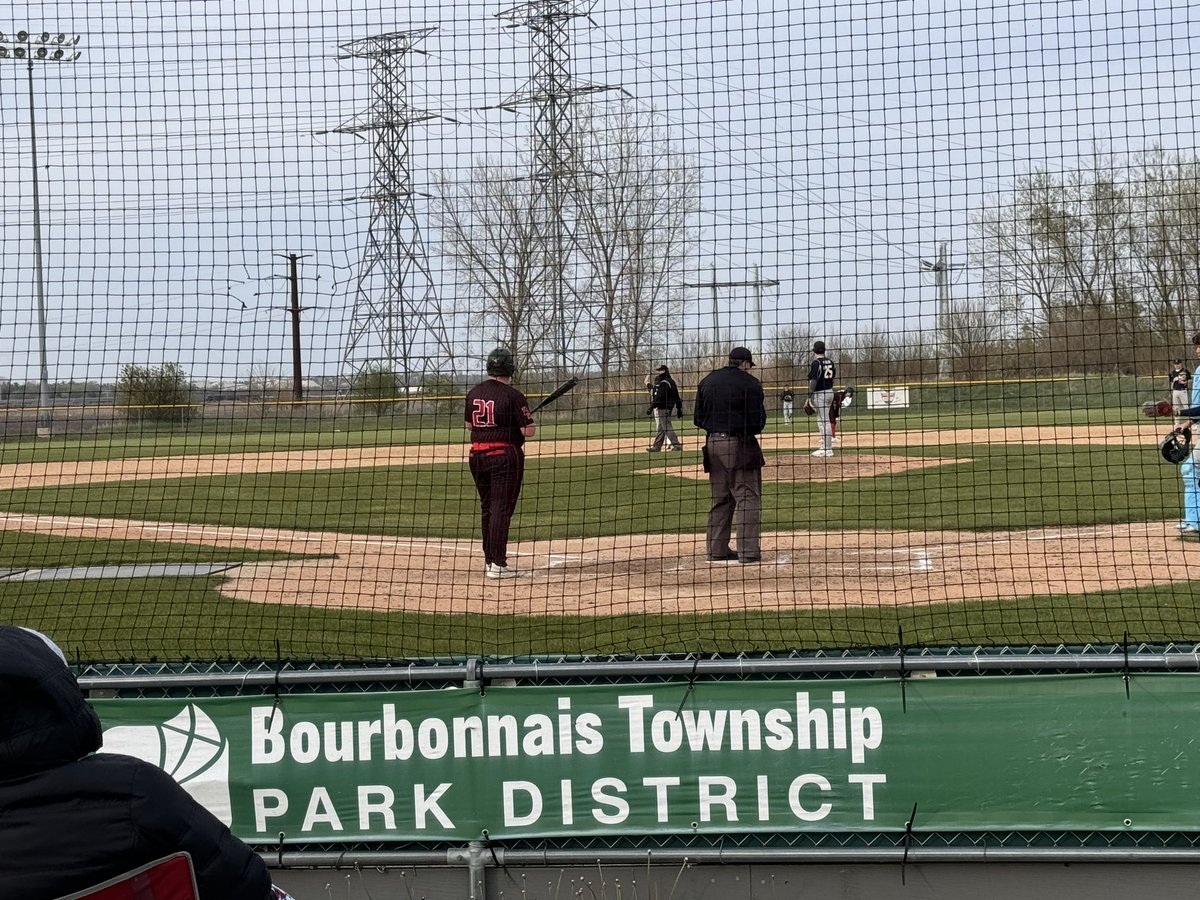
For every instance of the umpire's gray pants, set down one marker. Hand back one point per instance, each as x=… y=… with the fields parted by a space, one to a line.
x=666 y=431
x=733 y=489
x=822 y=401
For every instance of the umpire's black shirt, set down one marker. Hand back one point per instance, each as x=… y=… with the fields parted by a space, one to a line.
x=730 y=400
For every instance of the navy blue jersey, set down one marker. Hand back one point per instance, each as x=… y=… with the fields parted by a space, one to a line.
x=821 y=374
x=1179 y=379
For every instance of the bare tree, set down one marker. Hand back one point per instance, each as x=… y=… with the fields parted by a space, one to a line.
x=632 y=200
x=788 y=349
x=489 y=230
x=1167 y=242
x=973 y=337
x=1019 y=270
x=1059 y=250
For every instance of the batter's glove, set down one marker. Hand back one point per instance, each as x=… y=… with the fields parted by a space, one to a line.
x=810 y=408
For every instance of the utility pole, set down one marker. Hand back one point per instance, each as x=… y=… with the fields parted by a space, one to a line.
x=714 y=286
x=43 y=48
x=550 y=93
x=941 y=287
x=295 y=309
x=397 y=318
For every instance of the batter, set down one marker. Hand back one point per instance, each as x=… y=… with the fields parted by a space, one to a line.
x=499 y=419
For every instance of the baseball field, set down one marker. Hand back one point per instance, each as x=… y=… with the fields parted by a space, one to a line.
x=364 y=543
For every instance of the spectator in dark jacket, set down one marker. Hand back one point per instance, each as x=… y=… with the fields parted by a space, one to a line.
x=70 y=817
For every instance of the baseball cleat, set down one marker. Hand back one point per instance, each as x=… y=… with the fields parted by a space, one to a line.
x=495 y=570
x=653 y=450
x=749 y=560
x=1187 y=528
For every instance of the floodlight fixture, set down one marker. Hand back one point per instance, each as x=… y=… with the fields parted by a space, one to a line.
x=22 y=48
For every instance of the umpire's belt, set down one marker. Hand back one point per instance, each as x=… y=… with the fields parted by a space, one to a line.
x=484 y=446
x=721 y=434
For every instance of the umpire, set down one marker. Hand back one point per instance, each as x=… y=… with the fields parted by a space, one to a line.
x=730 y=408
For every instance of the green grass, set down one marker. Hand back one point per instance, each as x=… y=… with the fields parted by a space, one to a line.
x=127 y=620
x=24 y=550
x=1002 y=487
x=939 y=407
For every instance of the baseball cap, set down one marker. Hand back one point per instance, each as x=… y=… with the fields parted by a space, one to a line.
x=662 y=369
x=740 y=355
x=819 y=347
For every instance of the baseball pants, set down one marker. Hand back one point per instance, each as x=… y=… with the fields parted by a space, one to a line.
x=1190 y=470
x=735 y=492
x=498 y=475
x=822 y=400
x=666 y=431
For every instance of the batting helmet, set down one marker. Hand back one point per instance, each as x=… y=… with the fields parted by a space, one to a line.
x=500 y=362
x=1176 y=446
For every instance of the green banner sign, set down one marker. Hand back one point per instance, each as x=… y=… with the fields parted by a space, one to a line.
x=974 y=753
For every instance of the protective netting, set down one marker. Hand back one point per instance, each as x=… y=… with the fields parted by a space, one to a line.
x=252 y=263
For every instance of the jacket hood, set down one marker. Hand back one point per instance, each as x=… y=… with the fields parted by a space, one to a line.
x=44 y=719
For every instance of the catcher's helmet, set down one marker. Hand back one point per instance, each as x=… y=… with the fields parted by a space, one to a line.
x=1176 y=446
x=500 y=362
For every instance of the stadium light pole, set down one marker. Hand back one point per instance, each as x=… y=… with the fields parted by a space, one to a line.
x=50 y=49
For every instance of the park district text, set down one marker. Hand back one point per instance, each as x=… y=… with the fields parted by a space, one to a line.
x=636 y=762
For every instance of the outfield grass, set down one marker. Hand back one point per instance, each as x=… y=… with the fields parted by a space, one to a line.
x=198 y=439
x=1004 y=486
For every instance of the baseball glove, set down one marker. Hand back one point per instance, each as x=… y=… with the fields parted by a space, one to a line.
x=810 y=408
x=1155 y=410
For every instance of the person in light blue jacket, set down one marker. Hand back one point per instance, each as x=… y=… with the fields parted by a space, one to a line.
x=1190 y=468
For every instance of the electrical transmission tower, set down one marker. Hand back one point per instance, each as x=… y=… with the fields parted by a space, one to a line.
x=550 y=93
x=397 y=320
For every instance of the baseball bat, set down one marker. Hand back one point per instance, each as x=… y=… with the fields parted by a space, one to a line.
x=557 y=392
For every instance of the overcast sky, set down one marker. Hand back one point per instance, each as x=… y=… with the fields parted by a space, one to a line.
x=839 y=144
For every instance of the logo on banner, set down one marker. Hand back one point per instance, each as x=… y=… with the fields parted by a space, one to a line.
x=189 y=748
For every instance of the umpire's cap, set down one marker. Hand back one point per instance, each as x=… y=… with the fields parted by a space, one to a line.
x=500 y=362
x=741 y=355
